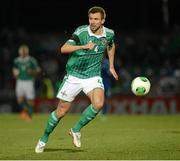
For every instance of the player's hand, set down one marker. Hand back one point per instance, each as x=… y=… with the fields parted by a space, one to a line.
x=32 y=72
x=15 y=72
x=89 y=45
x=113 y=72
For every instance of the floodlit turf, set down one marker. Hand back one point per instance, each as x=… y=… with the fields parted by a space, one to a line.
x=114 y=137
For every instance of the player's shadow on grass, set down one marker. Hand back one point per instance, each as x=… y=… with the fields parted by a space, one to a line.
x=65 y=150
x=172 y=131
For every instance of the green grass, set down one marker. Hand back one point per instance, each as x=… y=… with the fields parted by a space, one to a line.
x=114 y=137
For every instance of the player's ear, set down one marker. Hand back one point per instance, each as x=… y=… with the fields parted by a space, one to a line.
x=103 y=20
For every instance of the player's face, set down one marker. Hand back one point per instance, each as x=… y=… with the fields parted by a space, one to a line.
x=95 y=21
x=23 y=52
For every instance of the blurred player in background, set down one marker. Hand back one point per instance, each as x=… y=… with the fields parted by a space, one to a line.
x=105 y=73
x=86 y=48
x=25 y=69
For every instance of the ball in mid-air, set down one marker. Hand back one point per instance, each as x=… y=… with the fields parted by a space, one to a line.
x=140 y=86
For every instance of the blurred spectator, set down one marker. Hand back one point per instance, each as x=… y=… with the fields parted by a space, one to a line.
x=106 y=77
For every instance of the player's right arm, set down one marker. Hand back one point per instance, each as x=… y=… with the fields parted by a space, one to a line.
x=35 y=68
x=74 y=44
x=15 y=72
x=67 y=48
x=15 y=69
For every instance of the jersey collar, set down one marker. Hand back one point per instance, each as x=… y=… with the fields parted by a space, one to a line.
x=24 y=59
x=97 y=36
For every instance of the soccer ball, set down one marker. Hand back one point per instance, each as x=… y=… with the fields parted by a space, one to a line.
x=140 y=86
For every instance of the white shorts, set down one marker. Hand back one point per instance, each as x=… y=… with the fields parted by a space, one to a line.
x=25 y=88
x=72 y=86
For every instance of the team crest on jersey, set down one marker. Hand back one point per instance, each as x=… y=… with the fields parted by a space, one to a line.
x=103 y=41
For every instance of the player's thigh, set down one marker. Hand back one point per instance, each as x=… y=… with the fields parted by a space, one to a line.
x=19 y=91
x=94 y=89
x=97 y=97
x=29 y=90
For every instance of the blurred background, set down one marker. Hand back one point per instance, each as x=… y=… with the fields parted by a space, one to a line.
x=147 y=44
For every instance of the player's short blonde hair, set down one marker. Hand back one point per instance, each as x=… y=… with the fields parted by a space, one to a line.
x=97 y=9
x=23 y=48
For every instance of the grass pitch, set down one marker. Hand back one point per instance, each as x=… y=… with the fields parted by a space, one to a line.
x=114 y=137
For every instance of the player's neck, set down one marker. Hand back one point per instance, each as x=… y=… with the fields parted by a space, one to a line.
x=99 y=31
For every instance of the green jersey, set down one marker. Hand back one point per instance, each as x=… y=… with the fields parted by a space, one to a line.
x=23 y=65
x=87 y=63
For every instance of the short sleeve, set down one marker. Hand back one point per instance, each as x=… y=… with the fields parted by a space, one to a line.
x=74 y=39
x=111 y=41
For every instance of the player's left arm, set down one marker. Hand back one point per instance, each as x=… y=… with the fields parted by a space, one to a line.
x=15 y=69
x=111 y=54
x=35 y=70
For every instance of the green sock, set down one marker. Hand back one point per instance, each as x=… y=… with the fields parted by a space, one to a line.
x=88 y=114
x=22 y=106
x=29 y=109
x=52 y=123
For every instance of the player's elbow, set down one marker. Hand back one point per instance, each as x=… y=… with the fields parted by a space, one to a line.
x=59 y=49
x=62 y=49
x=65 y=49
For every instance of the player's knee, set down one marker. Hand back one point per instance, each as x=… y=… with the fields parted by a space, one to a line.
x=61 y=113
x=62 y=109
x=98 y=104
